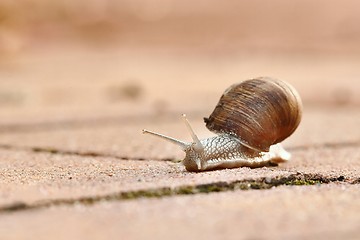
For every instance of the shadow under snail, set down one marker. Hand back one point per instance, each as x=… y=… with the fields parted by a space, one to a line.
x=251 y=119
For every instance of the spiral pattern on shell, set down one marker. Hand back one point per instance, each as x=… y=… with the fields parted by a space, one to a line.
x=259 y=112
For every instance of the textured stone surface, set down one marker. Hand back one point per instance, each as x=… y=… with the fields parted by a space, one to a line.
x=123 y=138
x=312 y=212
x=71 y=142
x=53 y=85
x=31 y=177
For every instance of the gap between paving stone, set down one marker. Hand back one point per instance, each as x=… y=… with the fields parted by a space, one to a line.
x=325 y=145
x=107 y=120
x=52 y=150
x=264 y=183
x=90 y=122
x=297 y=179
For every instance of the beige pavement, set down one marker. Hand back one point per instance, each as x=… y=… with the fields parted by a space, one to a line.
x=121 y=137
x=288 y=212
x=32 y=178
x=79 y=80
x=72 y=155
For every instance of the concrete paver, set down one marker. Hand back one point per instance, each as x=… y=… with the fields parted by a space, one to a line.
x=31 y=177
x=123 y=139
x=52 y=85
x=71 y=116
x=328 y=162
x=66 y=135
x=288 y=212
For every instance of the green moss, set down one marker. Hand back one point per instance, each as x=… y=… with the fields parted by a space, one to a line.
x=151 y=193
x=266 y=183
x=14 y=207
x=300 y=182
x=185 y=190
x=215 y=187
x=49 y=150
x=258 y=185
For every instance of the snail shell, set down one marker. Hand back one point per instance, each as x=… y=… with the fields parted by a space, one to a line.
x=260 y=112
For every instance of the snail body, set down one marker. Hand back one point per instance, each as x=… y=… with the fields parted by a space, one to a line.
x=251 y=119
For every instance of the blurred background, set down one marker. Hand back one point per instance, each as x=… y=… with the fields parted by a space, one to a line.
x=81 y=59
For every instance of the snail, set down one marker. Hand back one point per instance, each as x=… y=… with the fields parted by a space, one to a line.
x=251 y=119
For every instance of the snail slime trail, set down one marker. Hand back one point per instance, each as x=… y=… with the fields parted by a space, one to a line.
x=251 y=119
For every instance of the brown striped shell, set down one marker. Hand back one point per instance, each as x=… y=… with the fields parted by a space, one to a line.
x=260 y=112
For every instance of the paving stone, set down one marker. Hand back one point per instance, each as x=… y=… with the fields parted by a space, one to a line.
x=288 y=212
x=320 y=127
x=71 y=120
x=30 y=177
x=67 y=83
x=328 y=162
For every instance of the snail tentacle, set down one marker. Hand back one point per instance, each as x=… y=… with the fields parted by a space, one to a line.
x=182 y=144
